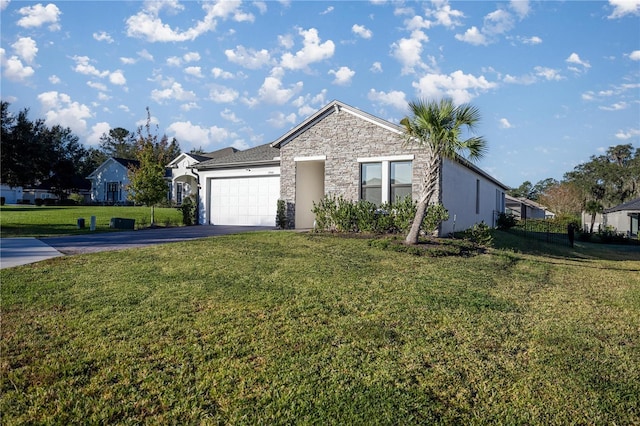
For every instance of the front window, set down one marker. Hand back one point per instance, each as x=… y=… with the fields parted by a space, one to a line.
x=400 y=177
x=179 y=192
x=371 y=182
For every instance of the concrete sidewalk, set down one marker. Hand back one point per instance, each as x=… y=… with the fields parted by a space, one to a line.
x=22 y=251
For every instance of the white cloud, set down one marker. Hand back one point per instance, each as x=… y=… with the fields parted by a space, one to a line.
x=621 y=134
x=444 y=15
x=343 y=76
x=248 y=58
x=262 y=6
x=459 y=86
x=147 y=25
x=279 y=120
x=376 y=67
x=96 y=132
x=60 y=110
x=532 y=40
x=194 y=71
x=408 y=51
x=103 y=36
x=362 y=31
x=229 y=115
x=286 y=41
x=117 y=78
x=220 y=73
x=222 y=94
x=548 y=73
x=191 y=57
x=273 y=92
x=472 y=36
x=394 y=98
x=521 y=7
x=574 y=58
x=189 y=106
x=191 y=135
x=504 y=124
x=312 y=51
x=26 y=49
x=498 y=22
x=83 y=66
x=98 y=86
x=618 y=106
x=127 y=61
x=4 y=4
x=174 y=61
x=174 y=92
x=54 y=79
x=144 y=54
x=13 y=68
x=38 y=15
x=622 y=8
x=635 y=55
x=327 y=10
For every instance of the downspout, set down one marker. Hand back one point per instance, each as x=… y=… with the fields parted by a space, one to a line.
x=197 y=195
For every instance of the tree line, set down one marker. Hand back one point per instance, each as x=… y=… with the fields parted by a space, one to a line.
x=34 y=154
x=602 y=182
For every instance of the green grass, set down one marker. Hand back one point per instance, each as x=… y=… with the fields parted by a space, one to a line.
x=32 y=221
x=284 y=328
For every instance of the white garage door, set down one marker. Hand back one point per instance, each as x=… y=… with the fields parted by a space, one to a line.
x=249 y=201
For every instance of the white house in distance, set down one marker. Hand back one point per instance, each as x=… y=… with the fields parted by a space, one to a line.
x=109 y=181
x=341 y=151
x=11 y=194
x=523 y=208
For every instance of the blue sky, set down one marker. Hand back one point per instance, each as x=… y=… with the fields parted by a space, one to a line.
x=555 y=82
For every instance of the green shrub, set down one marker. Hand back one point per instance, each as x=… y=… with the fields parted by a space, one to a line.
x=436 y=214
x=281 y=214
x=188 y=210
x=480 y=234
x=506 y=221
x=38 y=202
x=77 y=199
x=2 y=201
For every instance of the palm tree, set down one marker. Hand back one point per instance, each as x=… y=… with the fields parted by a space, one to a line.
x=593 y=207
x=438 y=127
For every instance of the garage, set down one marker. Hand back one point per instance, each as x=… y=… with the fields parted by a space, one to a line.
x=245 y=201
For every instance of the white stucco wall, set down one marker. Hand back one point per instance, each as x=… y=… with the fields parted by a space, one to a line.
x=207 y=177
x=459 y=189
x=620 y=220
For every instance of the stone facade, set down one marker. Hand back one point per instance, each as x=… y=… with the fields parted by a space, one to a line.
x=342 y=136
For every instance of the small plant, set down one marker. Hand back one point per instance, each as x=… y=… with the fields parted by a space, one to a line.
x=281 y=214
x=2 y=201
x=480 y=234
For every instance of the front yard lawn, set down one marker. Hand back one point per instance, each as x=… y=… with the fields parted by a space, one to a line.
x=43 y=221
x=291 y=328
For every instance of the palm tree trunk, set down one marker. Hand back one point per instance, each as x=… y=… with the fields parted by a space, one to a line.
x=431 y=182
x=593 y=221
x=152 y=215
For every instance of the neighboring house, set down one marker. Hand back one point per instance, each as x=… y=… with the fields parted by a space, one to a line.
x=523 y=208
x=11 y=194
x=184 y=179
x=109 y=181
x=338 y=151
x=624 y=217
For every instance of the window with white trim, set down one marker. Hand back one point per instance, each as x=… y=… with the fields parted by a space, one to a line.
x=384 y=180
x=113 y=191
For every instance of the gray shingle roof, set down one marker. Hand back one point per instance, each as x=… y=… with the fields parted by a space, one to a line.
x=633 y=205
x=262 y=154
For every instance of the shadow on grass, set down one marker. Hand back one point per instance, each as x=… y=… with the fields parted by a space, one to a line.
x=581 y=251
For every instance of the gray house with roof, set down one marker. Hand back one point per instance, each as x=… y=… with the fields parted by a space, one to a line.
x=340 y=151
x=624 y=218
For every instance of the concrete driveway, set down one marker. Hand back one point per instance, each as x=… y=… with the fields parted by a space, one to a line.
x=22 y=251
